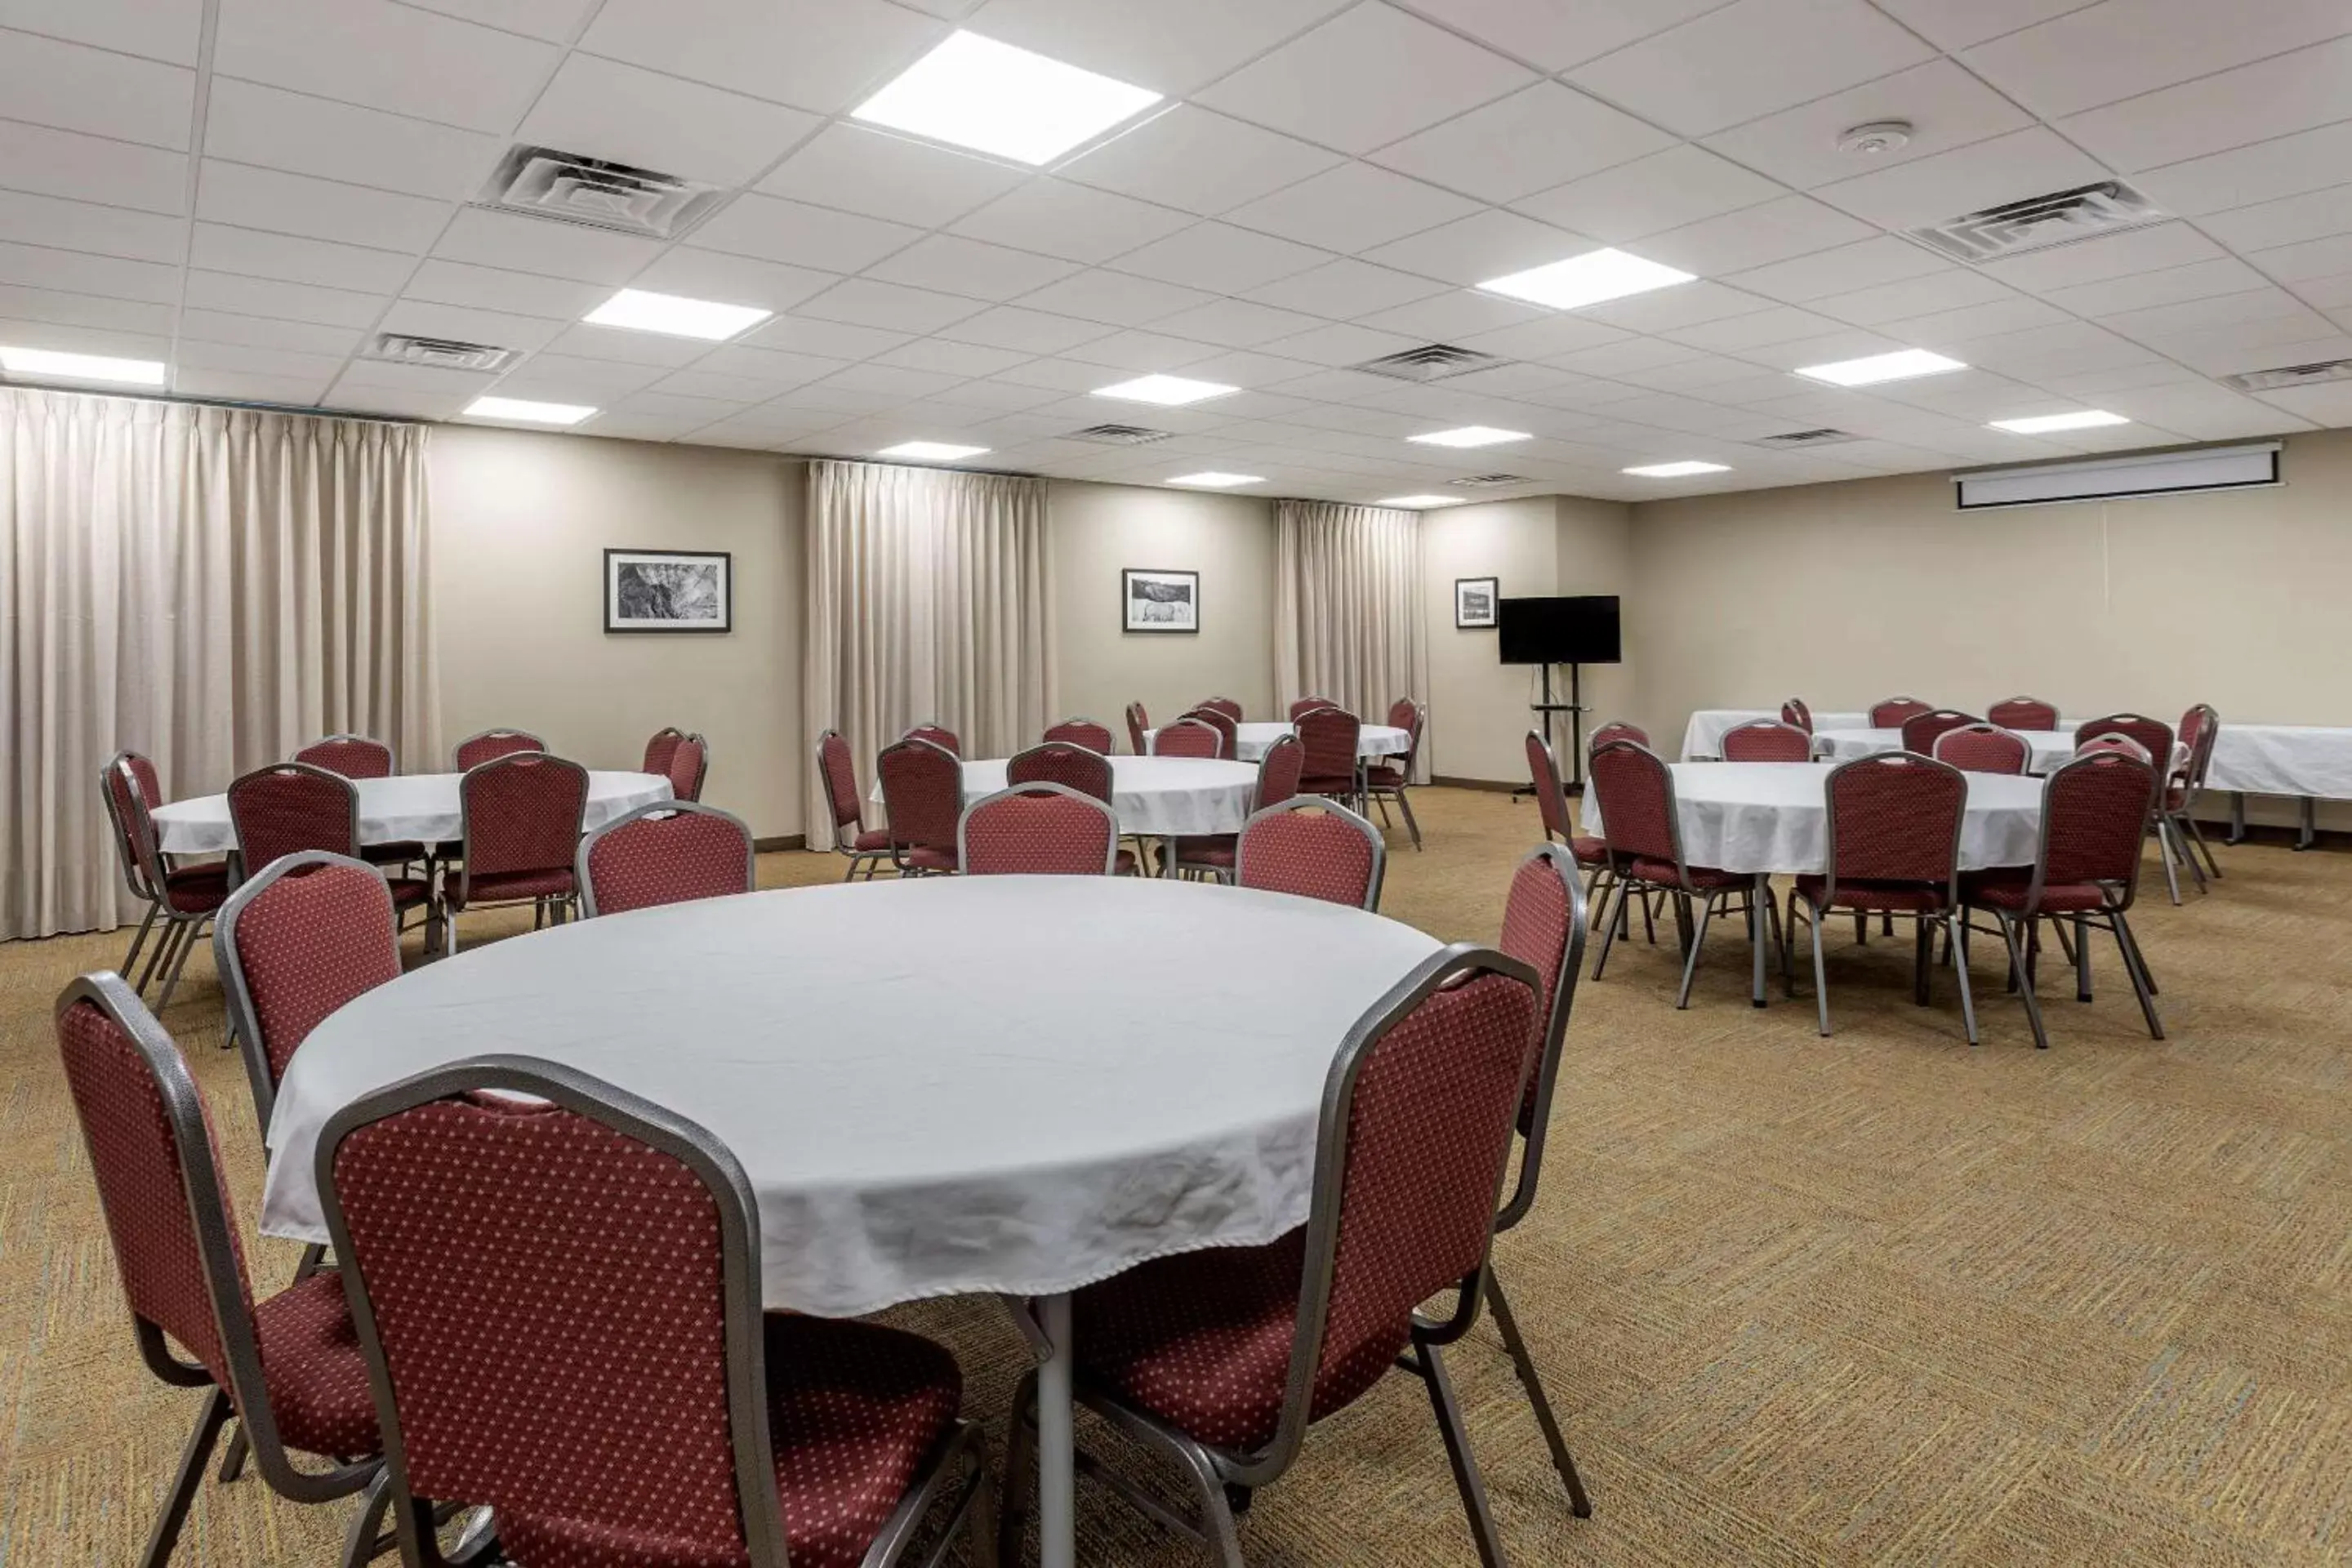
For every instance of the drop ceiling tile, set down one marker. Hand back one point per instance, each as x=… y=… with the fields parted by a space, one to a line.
x=2311 y=258
x=1344 y=289
x=1200 y=162
x=271 y=199
x=2326 y=405
x=1249 y=369
x=73 y=271
x=1352 y=208
x=889 y=379
x=1753 y=329
x=567 y=378
x=287 y=364
x=2315 y=215
x=45 y=162
x=628 y=347
x=820 y=55
x=775 y=369
x=2143 y=373
x=2122 y=48
x=1951 y=329
x=465 y=324
x=294 y=392
x=553 y=20
x=1366 y=78
x=165 y=31
x=1340 y=345
x=2151 y=250
x=522 y=243
x=497 y=288
x=954 y=264
x=1219 y=257
x=1685 y=305
x=1947 y=106
x=2277 y=97
x=264 y=332
x=995 y=395
x=2202 y=410
x=1077 y=223
x=1490 y=244
x=62 y=309
x=1169 y=48
x=673 y=415
x=70 y=86
x=2170 y=286
x=1754 y=237
x=2044 y=354
x=1845 y=269
x=2287 y=167
x=249 y=123
x=1956 y=24
x=1968 y=179
x=1545 y=337
x=960 y=360
x=699 y=274
x=1027 y=332
x=1556 y=36
x=620 y=425
x=295 y=259
x=85 y=225
x=777 y=230
x=2160 y=323
x=1153 y=353
x=1751 y=59
x=385 y=56
x=861 y=171
x=834 y=339
x=1663 y=191
x=1116 y=297
x=1854 y=343
x=2265 y=345
x=864 y=302
x=1062 y=375
x=290 y=301
x=1949 y=290
x=629 y=115
x=2334 y=293
x=1445 y=317
x=1235 y=323
x=1543 y=136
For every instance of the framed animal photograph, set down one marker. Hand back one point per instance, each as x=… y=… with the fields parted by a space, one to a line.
x=1475 y=599
x=1160 y=601
x=669 y=591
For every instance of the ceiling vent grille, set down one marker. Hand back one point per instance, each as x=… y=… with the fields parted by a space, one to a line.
x=1824 y=436
x=1431 y=361
x=442 y=353
x=2291 y=375
x=543 y=182
x=2039 y=223
x=1489 y=481
x=1120 y=435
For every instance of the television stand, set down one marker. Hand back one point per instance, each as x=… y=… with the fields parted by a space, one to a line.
x=1575 y=709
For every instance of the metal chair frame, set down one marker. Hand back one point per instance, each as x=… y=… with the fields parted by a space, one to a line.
x=931 y=731
x=1066 y=729
x=137 y=845
x=701 y=767
x=1039 y=786
x=1163 y=732
x=495 y=733
x=1224 y=705
x=1322 y=803
x=2045 y=711
x=1763 y=913
x=1888 y=713
x=1794 y=711
x=2190 y=777
x=659 y=808
x=325 y=775
x=1227 y=727
x=1940 y=720
x=2171 y=847
x=871 y=859
x=1138 y=724
x=1987 y=731
x=1021 y=767
x=670 y=733
x=1764 y=727
x=1379 y=794
x=547 y=910
x=346 y=738
x=898 y=847
x=1227 y=874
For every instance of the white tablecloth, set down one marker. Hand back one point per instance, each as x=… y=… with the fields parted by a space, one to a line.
x=1250 y=742
x=2050 y=747
x=1759 y=817
x=412 y=807
x=1158 y=797
x=2282 y=759
x=1703 y=737
x=937 y=1086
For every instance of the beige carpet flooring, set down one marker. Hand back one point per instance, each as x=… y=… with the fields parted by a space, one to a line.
x=1872 y=1299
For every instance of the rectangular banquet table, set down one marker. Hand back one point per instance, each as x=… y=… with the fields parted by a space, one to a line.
x=2305 y=763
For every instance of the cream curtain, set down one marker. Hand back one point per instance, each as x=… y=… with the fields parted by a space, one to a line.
x=1348 y=618
x=214 y=587
x=928 y=598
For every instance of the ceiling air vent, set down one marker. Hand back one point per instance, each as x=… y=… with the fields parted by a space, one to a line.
x=2038 y=222
x=1824 y=436
x=1120 y=435
x=2291 y=375
x=1431 y=361
x=442 y=353
x=1489 y=481
x=543 y=182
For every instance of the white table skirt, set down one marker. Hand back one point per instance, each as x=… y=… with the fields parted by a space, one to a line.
x=2049 y=747
x=408 y=808
x=1703 y=737
x=2304 y=760
x=1252 y=742
x=1773 y=818
x=937 y=1086
x=1156 y=796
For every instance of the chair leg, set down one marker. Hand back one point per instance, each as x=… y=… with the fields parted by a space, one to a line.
x=2197 y=834
x=1922 y=952
x=131 y=959
x=2164 y=854
x=2142 y=986
x=1608 y=925
x=1960 y=968
x=1821 y=971
x=172 y=979
x=1860 y=929
x=2126 y=936
x=366 y=1538
x=1404 y=804
x=1467 y=1479
x=1788 y=948
x=159 y=957
x=1019 y=1459
x=1699 y=939
x=184 y=1481
x=2082 y=954
x=1524 y=1364
x=2022 y=969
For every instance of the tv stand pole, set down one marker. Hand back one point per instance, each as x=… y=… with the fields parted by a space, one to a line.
x=1574 y=709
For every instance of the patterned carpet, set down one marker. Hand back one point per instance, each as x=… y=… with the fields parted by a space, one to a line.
x=1872 y=1299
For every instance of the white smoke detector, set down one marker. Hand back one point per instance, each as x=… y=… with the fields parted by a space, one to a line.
x=1876 y=139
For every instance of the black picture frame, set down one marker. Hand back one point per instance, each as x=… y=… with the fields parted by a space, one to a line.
x=1170 y=602
x=1466 y=599
x=626 y=585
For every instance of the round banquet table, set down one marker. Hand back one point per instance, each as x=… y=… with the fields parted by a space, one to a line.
x=1250 y=742
x=1154 y=797
x=936 y=1087
x=408 y=808
x=2049 y=747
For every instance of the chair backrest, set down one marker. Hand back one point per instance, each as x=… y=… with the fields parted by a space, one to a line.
x=1042 y=829
x=1983 y=749
x=288 y=807
x=838 y=770
x=1228 y=731
x=1314 y=848
x=1616 y=729
x=689 y=764
x=1224 y=705
x=1082 y=731
x=2154 y=735
x=1543 y=928
x=2200 y=727
x=1278 y=773
x=1890 y=713
x=1794 y=711
x=922 y=791
x=1186 y=738
x=1767 y=740
x=520 y=811
x=295 y=943
x=2123 y=743
x=488 y=746
x=1062 y=762
x=1551 y=799
x=671 y=852
x=353 y=756
x=658 y=749
x=465 y=1222
x=1636 y=794
x=2024 y=713
x=1138 y=721
x=2094 y=808
x=1920 y=730
x=1410 y=717
x=938 y=735
x=1307 y=705
x=127 y=784
x=1330 y=736
x=1896 y=817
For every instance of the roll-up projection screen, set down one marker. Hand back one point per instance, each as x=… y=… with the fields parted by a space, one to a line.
x=2115 y=478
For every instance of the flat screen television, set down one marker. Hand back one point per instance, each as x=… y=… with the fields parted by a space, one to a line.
x=1576 y=629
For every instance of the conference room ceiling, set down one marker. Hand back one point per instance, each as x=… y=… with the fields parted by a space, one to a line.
x=252 y=191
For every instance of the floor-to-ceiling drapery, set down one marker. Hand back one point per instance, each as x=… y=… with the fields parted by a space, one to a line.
x=213 y=588
x=1347 y=606
x=928 y=595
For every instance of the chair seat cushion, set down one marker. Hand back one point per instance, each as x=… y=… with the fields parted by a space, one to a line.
x=1385 y=775
x=1202 y=1340
x=407 y=892
x=317 y=1374
x=1705 y=878
x=1217 y=849
x=504 y=887
x=1897 y=898
x=196 y=889
x=854 y=1410
x=927 y=857
x=398 y=854
x=1589 y=850
x=872 y=841
x=2007 y=890
x=1328 y=784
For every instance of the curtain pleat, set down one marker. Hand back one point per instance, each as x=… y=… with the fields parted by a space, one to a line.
x=928 y=599
x=1347 y=606
x=213 y=588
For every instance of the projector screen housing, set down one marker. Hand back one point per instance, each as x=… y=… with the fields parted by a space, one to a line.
x=2243 y=467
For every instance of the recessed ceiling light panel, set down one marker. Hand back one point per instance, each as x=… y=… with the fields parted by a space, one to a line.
x=1677 y=470
x=674 y=315
x=975 y=92
x=1169 y=390
x=50 y=365
x=930 y=451
x=1214 y=480
x=522 y=411
x=2044 y=423
x=1900 y=365
x=1587 y=279
x=1419 y=503
x=1471 y=436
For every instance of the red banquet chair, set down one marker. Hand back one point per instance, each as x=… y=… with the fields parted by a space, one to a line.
x=1767 y=740
x=488 y=746
x=2123 y=743
x=1188 y=737
x=1224 y=705
x=1387 y=779
x=1794 y=711
x=1890 y=713
x=1894 y=850
x=659 y=1417
x=2200 y=728
x=1306 y=705
x=1039 y=829
x=1331 y=736
x=922 y=791
x=1082 y=731
x=2094 y=811
x=670 y=852
x=1636 y=792
x=1138 y=723
x=860 y=845
x=1314 y=848
x=1211 y=855
x=1616 y=729
x=1078 y=767
x=1983 y=749
x=938 y=735
x=520 y=819
x=286 y=1367
x=184 y=898
x=287 y=808
x=1920 y=730
x=659 y=750
x=353 y=756
x=1590 y=851
x=689 y=765
x=2155 y=737
x=1220 y=1360
x=1228 y=731
x=2024 y=713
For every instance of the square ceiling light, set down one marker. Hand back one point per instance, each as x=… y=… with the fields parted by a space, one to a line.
x=1418 y=503
x=1214 y=480
x=50 y=365
x=523 y=411
x=675 y=315
x=2044 y=423
x=1169 y=390
x=1587 y=279
x=1471 y=436
x=975 y=92
x=930 y=451
x=1900 y=365
x=1677 y=470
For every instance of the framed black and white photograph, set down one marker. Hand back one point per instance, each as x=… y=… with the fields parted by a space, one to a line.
x=1474 y=603
x=669 y=591
x=1160 y=601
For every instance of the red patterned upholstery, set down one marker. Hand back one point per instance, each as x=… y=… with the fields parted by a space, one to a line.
x=126 y=815
x=1316 y=852
x=1083 y=733
x=1138 y=721
x=1890 y=714
x=1037 y=831
x=1538 y=923
x=305 y=944
x=2010 y=889
x=1767 y=740
x=1920 y=730
x=317 y=1374
x=353 y=756
x=1794 y=711
x=492 y=744
x=938 y=735
x=144 y=774
x=839 y=772
x=2120 y=744
x=922 y=790
x=1616 y=729
x=1278 y=773
x=1551 y=800
x=1228 y=731
x=1636 y=796
x=196 y=889
x=1983 y=749
x=2200 y=727
x=2094 y=817
x=1306 y=705
x=288 y=807
x=1186 y=738
x=1330 y=736
x=1062 y=762
x=522 y=814
x=508 y=887
x=1588 y=850
x=2024 y=713
x=689 y=763
x=1224 y=705
x=1894 y=835
x=665 y=858
x=1698 y=878
x=2154 y=735
x=659 y=750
